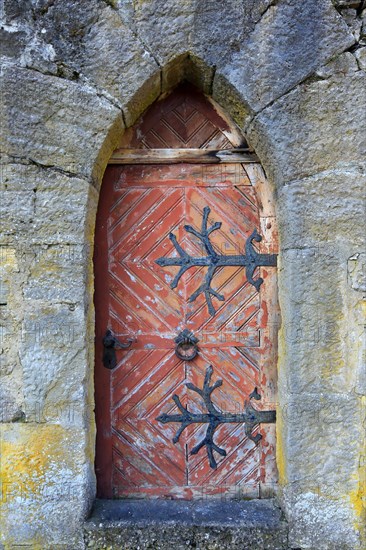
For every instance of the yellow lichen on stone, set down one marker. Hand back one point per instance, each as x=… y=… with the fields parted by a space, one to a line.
x=8 y=265
x=356 y=498
x=280 y=436
x=42 y=477
x=358 y=495
x=280 y=452
x=8 y=258
x=29 y=453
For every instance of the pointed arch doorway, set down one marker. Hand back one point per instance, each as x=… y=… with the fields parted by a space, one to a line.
x=185 y=296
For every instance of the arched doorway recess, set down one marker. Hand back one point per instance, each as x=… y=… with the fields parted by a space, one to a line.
x=181 y=271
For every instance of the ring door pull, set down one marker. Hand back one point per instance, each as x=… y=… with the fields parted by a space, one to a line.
x=110 y=343
x=186 y=348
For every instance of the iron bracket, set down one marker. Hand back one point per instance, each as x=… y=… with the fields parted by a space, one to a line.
x=251 y=260
x=251 y=417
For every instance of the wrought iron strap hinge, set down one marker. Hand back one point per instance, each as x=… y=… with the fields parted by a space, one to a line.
x=251 y=260
x=251 y=417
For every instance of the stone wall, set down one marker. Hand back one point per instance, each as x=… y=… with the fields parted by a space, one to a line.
x=74 y=75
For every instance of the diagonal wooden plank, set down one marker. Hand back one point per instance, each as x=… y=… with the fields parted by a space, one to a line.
x=140 y=224
x=145 y=468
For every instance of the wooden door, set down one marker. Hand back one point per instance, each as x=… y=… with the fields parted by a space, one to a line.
x=147 y=214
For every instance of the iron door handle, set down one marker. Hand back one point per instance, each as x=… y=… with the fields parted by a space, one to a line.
x=110 y=343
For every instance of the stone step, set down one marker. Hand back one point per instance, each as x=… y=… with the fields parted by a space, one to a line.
x=177 y=525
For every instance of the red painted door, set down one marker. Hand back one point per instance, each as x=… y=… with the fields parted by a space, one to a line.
x=140 y=208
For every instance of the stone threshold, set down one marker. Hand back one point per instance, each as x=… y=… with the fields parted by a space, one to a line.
x=177 y=525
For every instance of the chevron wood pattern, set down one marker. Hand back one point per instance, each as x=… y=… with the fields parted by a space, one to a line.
x=184 y=119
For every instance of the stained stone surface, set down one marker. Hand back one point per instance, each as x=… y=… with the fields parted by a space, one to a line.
x=74 y=74
x=302 y=37
x=39 y=122
x=321 y=211
x=357 y=271
x=300 y=133
x=109 y=34
x=360 y=55
x=210 y=525
x=53 y=485
x=332 y=534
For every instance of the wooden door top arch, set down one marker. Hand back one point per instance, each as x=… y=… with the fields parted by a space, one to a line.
x=184 y=126
x=184 y=118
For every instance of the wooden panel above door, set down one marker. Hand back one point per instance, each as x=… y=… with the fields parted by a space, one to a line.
x=185 y=119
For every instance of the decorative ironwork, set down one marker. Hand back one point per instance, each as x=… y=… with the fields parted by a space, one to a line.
x=251 y=260
x=186 y=348
x=251 y=417
x=110 y=342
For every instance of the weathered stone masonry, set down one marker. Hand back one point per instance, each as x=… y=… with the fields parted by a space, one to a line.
x=74 y=76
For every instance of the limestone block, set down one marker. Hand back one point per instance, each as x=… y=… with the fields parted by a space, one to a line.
x=323 y=441
x=11 y=409
x=16 y=211
x=56 y=27
x=288 y=43
x=164 y=26
x=64 y=24
x=56 y=273
x=11 y=404
x=360 y=312
x=357 y=271
x=217 y=39
x=57 y=123
x=54 y=358
x=8 y=269
x=12 y=42
x=14 y=9
x=11 y=278
x=343 y=65
x=315 y=127
x=360 y=55
x=11 y=395
x=230 y=99
x=320 y=339
x=324 y=208
x=61 y=205
x=46 y=476
x=187 y=39
x=17 y=200
x=117 y=61
x=324 y=437
x=316 y=521
x=9 y=328
x=40 y=55
x=45 y=206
